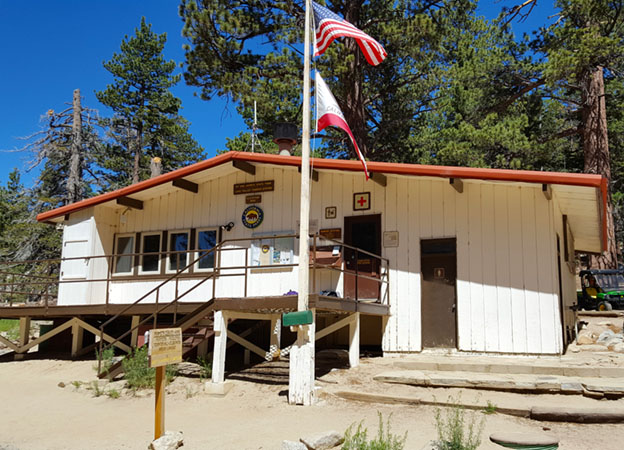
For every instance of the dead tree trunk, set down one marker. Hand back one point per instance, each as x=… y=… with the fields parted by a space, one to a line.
x=596 y=153
x=138 y=149
x=74 y=188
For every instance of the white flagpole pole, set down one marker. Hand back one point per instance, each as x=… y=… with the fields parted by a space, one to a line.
x=301 y=376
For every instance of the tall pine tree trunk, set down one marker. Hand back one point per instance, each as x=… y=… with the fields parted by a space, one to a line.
x=355 y=112
x=596 y=153
x=74 y=189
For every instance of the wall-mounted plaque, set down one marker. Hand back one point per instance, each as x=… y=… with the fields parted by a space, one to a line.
x=251 y=199
x=391 y=239
x=331 y=212
x=361 y=201
x=252 y=217
x=256 y=186
x=331 y=233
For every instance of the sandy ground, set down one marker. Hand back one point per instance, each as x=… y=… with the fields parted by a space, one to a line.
x=38 y=414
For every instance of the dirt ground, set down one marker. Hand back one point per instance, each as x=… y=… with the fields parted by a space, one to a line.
x=38 y=414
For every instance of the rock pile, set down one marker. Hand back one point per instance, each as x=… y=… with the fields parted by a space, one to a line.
x=606 y=337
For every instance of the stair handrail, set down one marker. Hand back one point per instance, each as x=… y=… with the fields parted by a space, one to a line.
x=203 y=254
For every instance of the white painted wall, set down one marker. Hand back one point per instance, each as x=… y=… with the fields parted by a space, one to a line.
x=507 y=291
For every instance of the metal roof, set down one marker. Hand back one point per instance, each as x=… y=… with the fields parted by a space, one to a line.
x=586 y=208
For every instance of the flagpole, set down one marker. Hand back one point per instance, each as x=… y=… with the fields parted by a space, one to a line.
x=301 y=376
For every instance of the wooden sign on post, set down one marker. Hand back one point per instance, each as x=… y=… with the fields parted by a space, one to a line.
x=165 y=347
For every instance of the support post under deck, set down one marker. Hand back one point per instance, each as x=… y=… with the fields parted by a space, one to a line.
x=354 y=340
x=275 y=342
x=77 y=335
x=220 y=344
x=24 y=335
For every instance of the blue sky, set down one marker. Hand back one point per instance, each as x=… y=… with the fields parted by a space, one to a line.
x=50 y=48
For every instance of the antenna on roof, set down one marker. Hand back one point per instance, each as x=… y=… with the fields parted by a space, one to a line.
x=254 y=134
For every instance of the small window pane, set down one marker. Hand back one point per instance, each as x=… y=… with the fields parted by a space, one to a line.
x=125 y=246
x=151 y=244
x=178 y=243
x=205 y=241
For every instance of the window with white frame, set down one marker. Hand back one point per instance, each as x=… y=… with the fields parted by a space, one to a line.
x=178 y=248
x=150 y=253
x=124 y=247
x=205 y=239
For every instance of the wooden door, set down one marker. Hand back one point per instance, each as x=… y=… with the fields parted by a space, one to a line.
x=438 y=261
x=363 y=232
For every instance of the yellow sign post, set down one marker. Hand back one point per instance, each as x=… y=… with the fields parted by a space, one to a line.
x=165 y=347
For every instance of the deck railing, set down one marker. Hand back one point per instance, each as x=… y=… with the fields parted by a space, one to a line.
x=36 y=282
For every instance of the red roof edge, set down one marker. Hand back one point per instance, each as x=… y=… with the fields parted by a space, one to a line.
x=522 y=176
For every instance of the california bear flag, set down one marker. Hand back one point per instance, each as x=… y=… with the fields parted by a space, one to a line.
x=329 y=114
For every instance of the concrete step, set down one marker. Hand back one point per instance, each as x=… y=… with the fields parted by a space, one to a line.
x=592 y=387
x=526 y=407
x=507 y=366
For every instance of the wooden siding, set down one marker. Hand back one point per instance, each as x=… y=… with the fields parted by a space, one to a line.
x=507 y=288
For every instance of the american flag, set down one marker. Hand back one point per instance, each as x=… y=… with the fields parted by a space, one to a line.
x=330 y=26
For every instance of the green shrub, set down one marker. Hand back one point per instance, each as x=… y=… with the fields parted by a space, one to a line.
x=95 y=387
x=113 y=393
x=11 y=328
x=458 y=430
x=385 y=440
x=137 y=372
x=205 y=368
x=108 y=356
x=490 y=408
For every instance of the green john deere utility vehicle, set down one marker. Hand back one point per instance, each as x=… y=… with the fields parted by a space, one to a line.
x=602 y=290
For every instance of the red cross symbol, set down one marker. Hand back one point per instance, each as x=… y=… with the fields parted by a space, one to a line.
x=361 y=200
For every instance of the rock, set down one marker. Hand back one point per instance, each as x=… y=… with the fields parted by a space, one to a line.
x=432 y=445
x=168 y=441
x=118 y=385
x=7 y=447
x=585 y=339
x=619 y=348
x=323 y=441
x=61 y=384
x=611 y=343
x=292 y=445
x=605 y=336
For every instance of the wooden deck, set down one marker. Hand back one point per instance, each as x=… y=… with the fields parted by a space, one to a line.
x=269 y=305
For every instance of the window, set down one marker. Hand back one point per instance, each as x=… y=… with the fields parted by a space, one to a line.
x=178 y=244
x=206 y=239
x=150 y=253
x=123 y=254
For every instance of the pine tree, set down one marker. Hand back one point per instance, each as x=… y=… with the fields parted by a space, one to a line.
x=146 y=120
x=250 y=50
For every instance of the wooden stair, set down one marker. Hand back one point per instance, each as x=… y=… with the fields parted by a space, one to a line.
x=192 y=335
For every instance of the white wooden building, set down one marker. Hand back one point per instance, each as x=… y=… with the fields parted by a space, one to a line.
x=480 y=260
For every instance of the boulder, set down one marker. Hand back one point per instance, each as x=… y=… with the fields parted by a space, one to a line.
x=605 y=336
x=292 y=445
x=323 y=441
x=611 y=343
x=584 y=339
x=171 y=440
x=618 y=348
